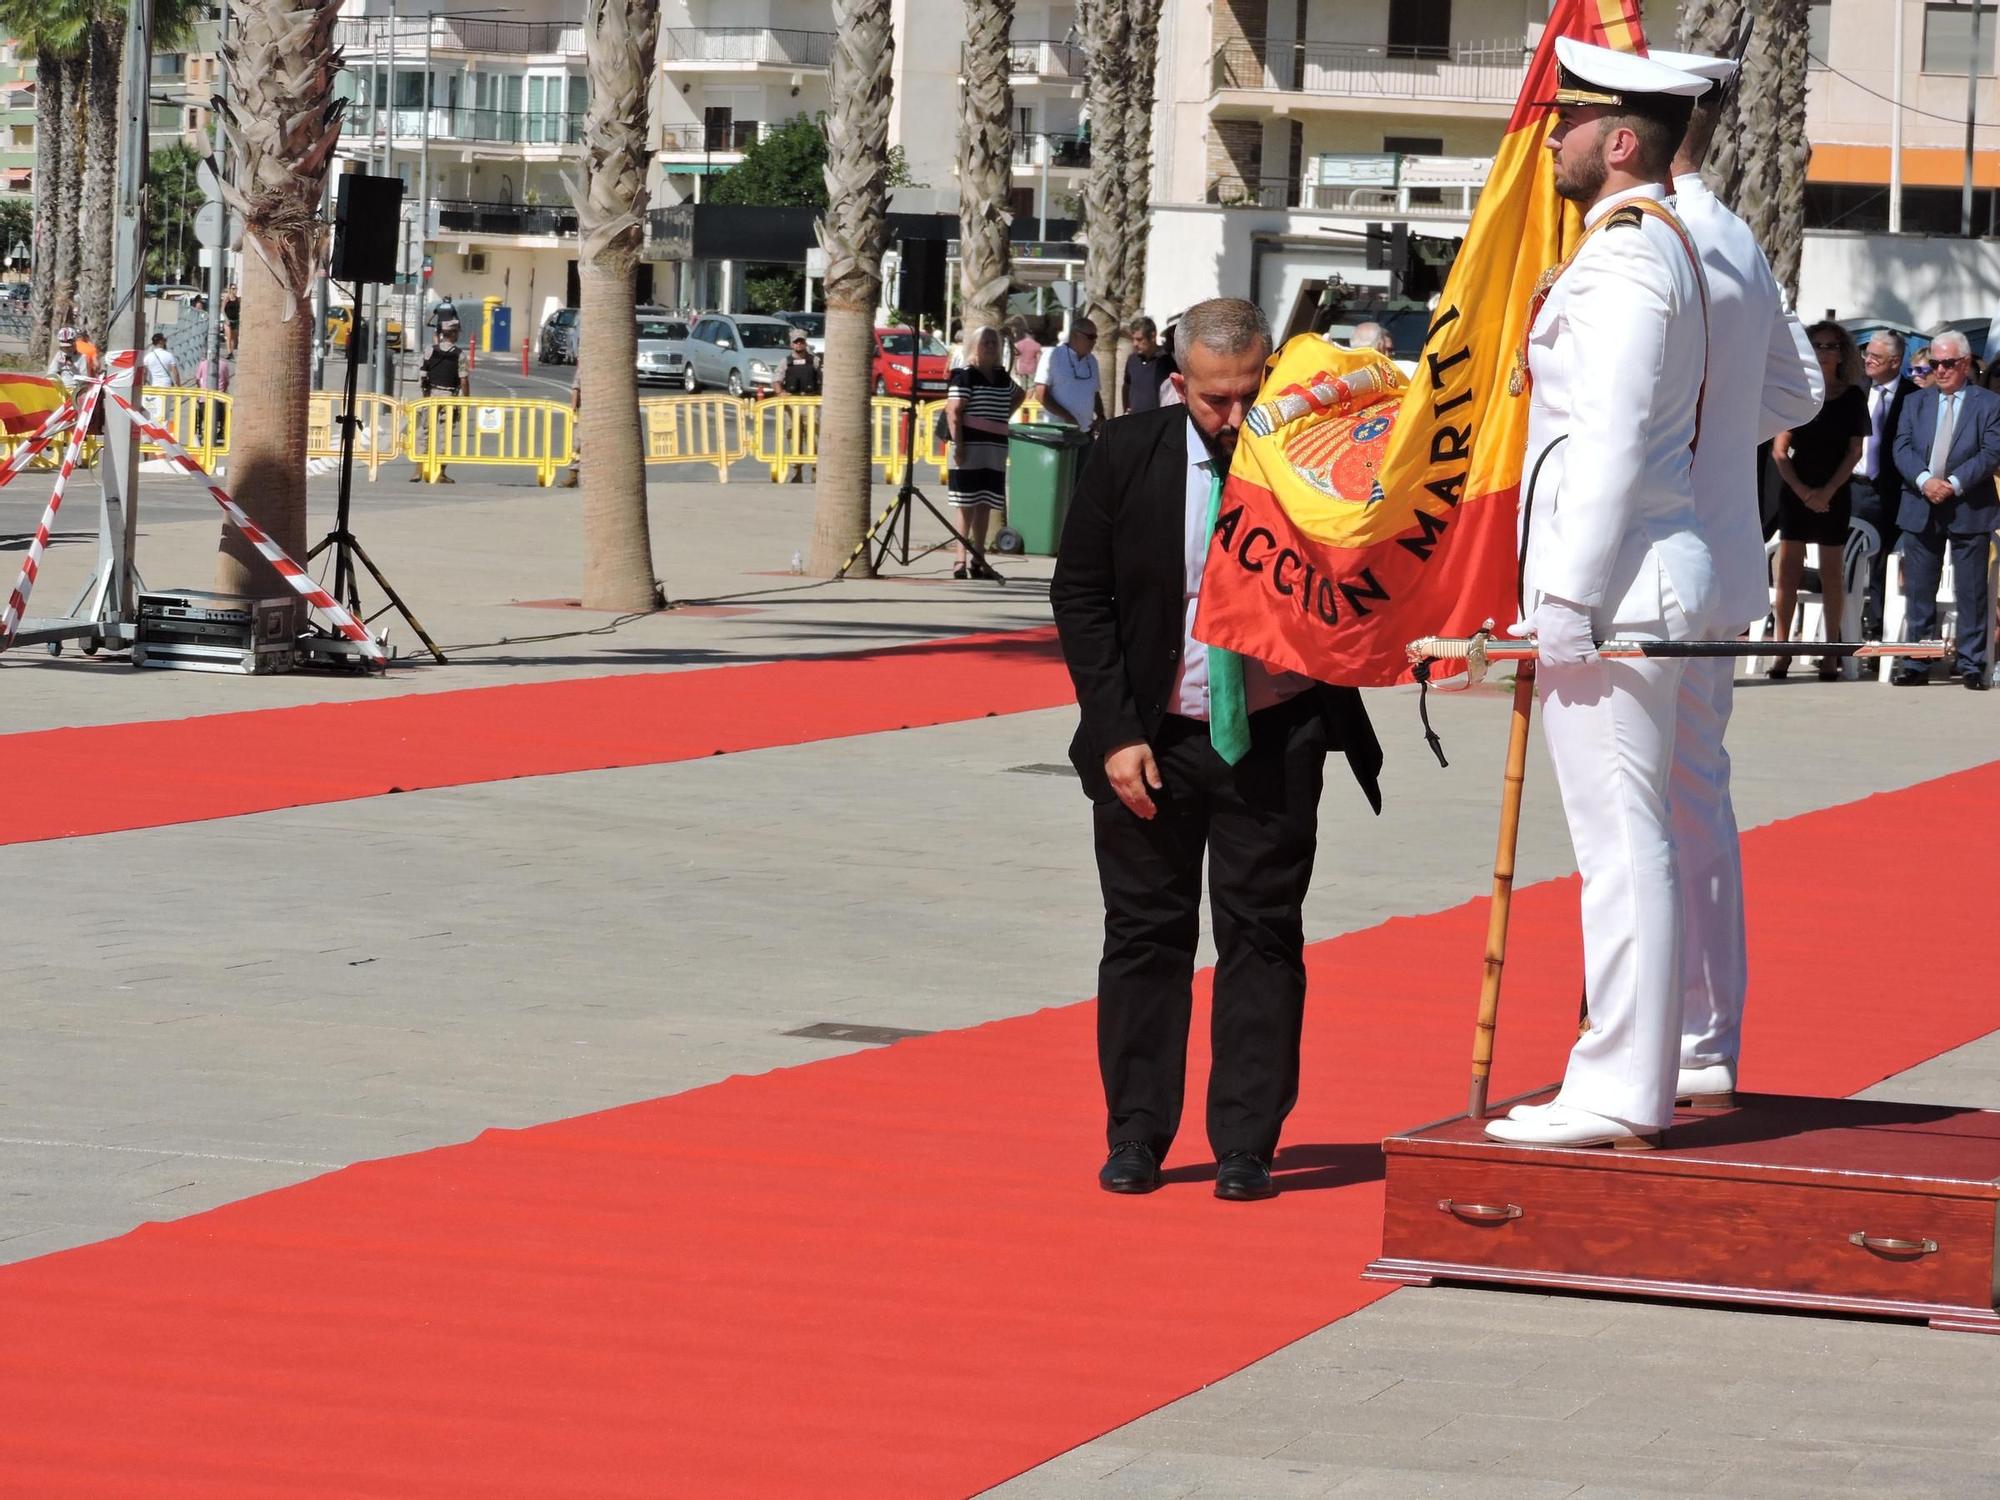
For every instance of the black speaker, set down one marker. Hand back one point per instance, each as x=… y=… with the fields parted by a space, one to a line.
x=923 y=279
x=367 y=222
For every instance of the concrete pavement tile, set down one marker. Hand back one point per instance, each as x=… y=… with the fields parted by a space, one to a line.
x=1404 y=1484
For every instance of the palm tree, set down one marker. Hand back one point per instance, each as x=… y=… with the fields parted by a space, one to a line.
x=1135 y=212
x=51 y=33
x=1107 y=40
x=1757 y=164
x=619 y=40
x=851 y=234
x=282 y=121
x=985 y=163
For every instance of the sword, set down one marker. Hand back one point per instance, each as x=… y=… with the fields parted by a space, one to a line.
x=1481 y=648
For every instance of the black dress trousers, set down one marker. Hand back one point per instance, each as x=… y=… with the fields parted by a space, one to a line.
x=1258 y=822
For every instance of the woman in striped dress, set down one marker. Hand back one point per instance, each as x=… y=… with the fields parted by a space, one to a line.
x=977 y=409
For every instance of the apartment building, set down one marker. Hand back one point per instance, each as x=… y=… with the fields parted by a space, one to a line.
x=1286 y=126
x=17 y=122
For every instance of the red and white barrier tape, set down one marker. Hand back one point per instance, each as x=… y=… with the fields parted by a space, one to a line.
x=302 y=582
x=31 y=565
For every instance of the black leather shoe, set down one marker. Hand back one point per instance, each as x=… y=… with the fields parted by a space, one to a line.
x=1976 y=681
x=1243 y=1177
x=1131 y=1168
x=1906 y=678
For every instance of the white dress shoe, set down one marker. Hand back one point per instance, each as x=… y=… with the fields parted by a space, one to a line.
x=1560 y=1125
x=1530 y=1111
x=1710 y=1087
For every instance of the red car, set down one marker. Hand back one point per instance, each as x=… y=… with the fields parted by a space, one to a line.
x=894 y=348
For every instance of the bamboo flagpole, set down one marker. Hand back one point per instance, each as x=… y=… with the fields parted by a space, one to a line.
x=1501 y=906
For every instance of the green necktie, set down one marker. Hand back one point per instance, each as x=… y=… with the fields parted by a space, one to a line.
x=1228 y=713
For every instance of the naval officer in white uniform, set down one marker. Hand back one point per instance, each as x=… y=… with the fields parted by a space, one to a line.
x=1616 y=355
x=1763 y=379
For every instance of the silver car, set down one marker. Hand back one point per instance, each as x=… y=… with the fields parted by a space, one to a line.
x=739 y=351
x=662 y=351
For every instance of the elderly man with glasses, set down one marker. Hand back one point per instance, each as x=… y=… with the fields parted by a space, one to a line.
x=1878 y=484
x=1068 y=384
x=1948 y=448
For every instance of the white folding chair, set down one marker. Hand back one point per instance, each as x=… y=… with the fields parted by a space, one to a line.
x=1809 y=613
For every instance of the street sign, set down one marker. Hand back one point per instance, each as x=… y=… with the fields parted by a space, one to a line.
x=204 y=178
x=211 y=224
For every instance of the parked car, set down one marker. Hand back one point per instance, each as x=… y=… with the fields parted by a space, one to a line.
x=738 y=351
x=337 y=320
x=662 y=351
x=557 y=343
x=895 y=348
x=813 y=326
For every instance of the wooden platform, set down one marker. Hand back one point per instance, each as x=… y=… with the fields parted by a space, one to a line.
x=1841 y=1205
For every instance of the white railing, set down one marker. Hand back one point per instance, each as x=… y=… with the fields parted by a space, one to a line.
x=1465 y=73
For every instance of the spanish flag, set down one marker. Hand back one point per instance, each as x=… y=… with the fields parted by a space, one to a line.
x=1364 y=510
x=26 y=401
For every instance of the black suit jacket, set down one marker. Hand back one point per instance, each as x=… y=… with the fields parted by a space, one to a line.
x=1120 y=594
x=1888 y=478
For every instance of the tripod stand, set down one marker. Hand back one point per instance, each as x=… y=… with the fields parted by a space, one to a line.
x=345 y=544
x=882 y=535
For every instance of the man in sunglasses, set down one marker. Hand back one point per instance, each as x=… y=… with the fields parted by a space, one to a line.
x=1948 y=448
x=1068 y=384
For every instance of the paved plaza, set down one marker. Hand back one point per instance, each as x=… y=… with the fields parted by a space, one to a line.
x=201 y=1012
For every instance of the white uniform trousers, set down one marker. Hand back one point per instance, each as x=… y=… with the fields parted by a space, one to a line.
x=1610 y=732
x=1709 y=859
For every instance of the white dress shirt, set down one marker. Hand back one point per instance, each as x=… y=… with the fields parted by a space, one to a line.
x=1948 y=408
x=1262 y=687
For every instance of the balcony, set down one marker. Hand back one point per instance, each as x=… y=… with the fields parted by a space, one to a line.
x=1031 y=62
x=374 y=36
x=747 y=49
x=470 y=216
x=1379 y=185
x=461 y=125
x=710 y=145
x=1056 y=151
x=1488 y=73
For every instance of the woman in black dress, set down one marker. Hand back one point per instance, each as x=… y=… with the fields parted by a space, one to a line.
x=1815 y=461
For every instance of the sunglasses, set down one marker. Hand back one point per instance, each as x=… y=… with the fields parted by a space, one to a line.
x=1950 y=364
x=1920 y=369
x=1826 y=348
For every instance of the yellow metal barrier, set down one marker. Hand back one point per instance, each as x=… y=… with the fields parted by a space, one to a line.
x=440 y=430
x=374 y=444
x=198 y=419
x=784 y=433
x=698 y=430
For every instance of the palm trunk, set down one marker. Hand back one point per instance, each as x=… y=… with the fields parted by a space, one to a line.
x=1108 y=38
x=1794 y=150
x=50 y=148
x=1136 y=211
x=851 y=233
x=104 y=62
x=69 y=195
x=282 y=121
x=1711 y=28
x=619 y=39
x=985 y=164
x=1770 y=168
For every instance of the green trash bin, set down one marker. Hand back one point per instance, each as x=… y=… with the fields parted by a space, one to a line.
x=1043 y=461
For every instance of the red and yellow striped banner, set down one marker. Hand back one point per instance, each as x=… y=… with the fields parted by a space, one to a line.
x=1356 y=525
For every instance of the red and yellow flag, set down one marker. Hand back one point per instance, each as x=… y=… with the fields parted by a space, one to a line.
x=26 y=401
x=1372 y=511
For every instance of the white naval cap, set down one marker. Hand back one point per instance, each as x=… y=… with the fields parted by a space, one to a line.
x=1588 y=74
x=1715 y=69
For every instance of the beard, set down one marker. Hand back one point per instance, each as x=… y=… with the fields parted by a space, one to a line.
x=1583 y=182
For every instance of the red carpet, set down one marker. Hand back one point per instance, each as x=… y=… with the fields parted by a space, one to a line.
x=885 y=1275
x=64 y=782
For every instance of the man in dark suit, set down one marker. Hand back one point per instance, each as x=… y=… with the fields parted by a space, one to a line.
x=1948 y=448
x=1182 y=749
x=1878 y=484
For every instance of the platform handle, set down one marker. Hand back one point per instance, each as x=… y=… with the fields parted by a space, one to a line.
x=1484 y=1213
x=1885 y=1246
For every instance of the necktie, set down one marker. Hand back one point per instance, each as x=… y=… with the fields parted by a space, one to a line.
x=1228 y=712
x=1878 y=399
x=1941 y=444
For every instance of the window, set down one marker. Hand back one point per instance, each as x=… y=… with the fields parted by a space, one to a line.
x=169 y=64
x=1418 y=145
x=716 y=121
x=1819 y=32
x=1420 y=28
x=1948 y=37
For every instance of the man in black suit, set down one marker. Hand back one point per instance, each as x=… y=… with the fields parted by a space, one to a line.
x=1165 y=782
x=1948 y=448
x=1878 y=484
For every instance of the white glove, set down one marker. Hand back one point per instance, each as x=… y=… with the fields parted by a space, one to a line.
x=1562 y=633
